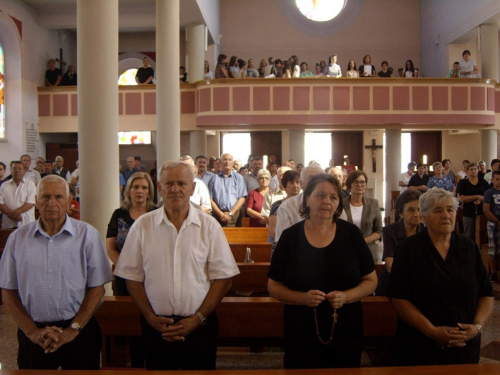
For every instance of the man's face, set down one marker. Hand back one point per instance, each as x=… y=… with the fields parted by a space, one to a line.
x=2 y=171
x=137 y=164
x=39 y=162
x=52 y=201
x=145 y=62
x=256 y=166
x=47 y=168
x=271 y=61
x=495 y=167
x=227 y=162
x=175 y=187
x=17 y=172
x=59 y=162
x=472 y=171
x=281 y=172
x=421 y=170
x=52 y=64
x=237 y=165
x=496 y=181
x=131 y=163
x=337 y=173
x=292 y=164
x=201 y=163
x=26 y=160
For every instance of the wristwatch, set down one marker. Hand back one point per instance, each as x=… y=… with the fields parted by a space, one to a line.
x=76 y=326
x=479 y=328
x=230 y=213
x=203 y=320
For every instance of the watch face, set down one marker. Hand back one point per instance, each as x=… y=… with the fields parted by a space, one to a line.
x=76 y=326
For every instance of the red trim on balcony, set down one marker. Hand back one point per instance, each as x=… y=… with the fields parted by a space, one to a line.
x=401 y=98
x=361 y=98
x=281 y=98
x=301 y=98
x=188 y=102
x=205 y=100
x=43 y=105
x=60 y=104
x=439 y=98
x=459 y=98
x=74 y=105
x=221 y=99
x=420 y=98
x=342 y=98
x=133 y=103
x=321 y=98
x=381 y=98
x=241 y=99
x=477 y=98
x=262 y=98
x=150 y=103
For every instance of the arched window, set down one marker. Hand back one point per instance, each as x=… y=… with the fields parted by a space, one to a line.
x=2 y=91
x=127 y=78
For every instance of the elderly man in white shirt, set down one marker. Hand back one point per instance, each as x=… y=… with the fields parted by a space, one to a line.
x=178 y=267
x=30 y=174
x=288 y=213
x=274 y=194
x=200 y=196
x=17 y=199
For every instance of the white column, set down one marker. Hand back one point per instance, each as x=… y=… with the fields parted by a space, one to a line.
x=213 y=145
x=97 y=40
x=296 y=142
x=392 y=165
x=196 y=52
x=488 y=145
x=168 y=120
x=197 y=143
x=489 y=51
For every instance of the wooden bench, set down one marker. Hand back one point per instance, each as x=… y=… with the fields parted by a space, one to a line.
x=243 y=321
x=246 y=235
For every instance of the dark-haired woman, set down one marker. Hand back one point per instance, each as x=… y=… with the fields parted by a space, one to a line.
x=352 y=70
x=385 y=72
x=220 y=69
x=410 y=70
x=242 y=64
x=295 y=67
x=321 y=268
x=207 y=73
x=367 y=70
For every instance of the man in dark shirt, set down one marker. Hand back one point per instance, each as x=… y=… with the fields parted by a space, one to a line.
x=145 y=74
x=53 y=76
x=419 y=180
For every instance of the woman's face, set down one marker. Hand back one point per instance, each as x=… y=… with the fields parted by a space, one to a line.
x=250 y=64
x=408 y=65
x=206 y=65
x=139 y=191
x=273 y=168
x=367 y=60
x=358 y=186
x=440 y=219
x=318 y=69
x=334 y=59
x=293 y=187
x=351 y=64
x=384 y=67
x=322 y=64
x=263 y=181
x=411 y=213
x=466 y=56
x=344 y=174
x=447 y=164
x=323 y=201
x=244 y=171
x=303 y=68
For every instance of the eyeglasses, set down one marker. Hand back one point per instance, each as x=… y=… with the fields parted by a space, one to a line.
x=264 y=178
x=359 y=183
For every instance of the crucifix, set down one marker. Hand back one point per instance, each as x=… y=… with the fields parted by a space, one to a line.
x=374 y=148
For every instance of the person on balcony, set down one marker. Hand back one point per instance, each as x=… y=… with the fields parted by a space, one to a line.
x=468 y=67
x=69 y=78
x=53 y=75
x=220 y=69
x=145 y=74
x=334 y=68
x=367 y=70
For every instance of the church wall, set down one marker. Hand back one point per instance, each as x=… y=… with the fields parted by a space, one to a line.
x=257 y=29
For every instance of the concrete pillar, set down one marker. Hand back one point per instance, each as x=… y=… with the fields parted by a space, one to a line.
x=197 y=143
x=213 y=145
x=168 y=120
x=488 y=145
x=296 y=146
x=489 y=51
x=196 y=52
x=97 y=25
x=392 y=165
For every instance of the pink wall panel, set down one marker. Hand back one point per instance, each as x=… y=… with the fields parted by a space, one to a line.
x=120 y=104
x=60 y=103
x=361 y=98
x=133 y=103
x=477 y=98
x=188 y=102
x=74 y=105
x=221 y=99
x=281 y=98
x=241 y=99
x=205 y=100
x=439 y=98
x=491 y=99
x=341 y=98
x=43 y=105
x=420 y=98
x=381 y=98
x=150 y=103
x=459 y=98
x=401 y=98
x=301 y=98
x=261 y=98
x=321 y=98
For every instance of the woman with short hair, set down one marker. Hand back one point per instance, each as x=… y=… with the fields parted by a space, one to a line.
x=255 y=199
x=439 y=179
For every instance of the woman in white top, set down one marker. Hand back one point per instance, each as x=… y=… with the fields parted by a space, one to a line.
x=288 y=70
x=207 y=74
x=468 y=67
x=410 y=70
x=233 y=67
x=352 y=70
x=294 y=62
x=242 y=72
x=317 y=71
x=334 y=68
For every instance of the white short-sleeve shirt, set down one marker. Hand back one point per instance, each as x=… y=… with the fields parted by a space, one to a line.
x=14 y=196
x=177 y=268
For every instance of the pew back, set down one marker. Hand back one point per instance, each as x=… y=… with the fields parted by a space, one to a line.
x=246 y=235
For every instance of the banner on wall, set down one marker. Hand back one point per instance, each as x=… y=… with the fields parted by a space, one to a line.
x=32 y=140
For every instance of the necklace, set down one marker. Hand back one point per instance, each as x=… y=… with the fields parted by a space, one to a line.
x=334 y=316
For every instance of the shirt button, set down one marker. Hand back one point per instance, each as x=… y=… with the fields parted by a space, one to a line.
x=50 y=286
x=50 y=271
x=50 y=303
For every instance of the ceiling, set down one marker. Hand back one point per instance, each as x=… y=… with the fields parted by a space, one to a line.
x=134 y=15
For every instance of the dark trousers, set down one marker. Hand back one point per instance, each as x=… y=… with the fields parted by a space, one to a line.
x=83 y=353
x=198 y=352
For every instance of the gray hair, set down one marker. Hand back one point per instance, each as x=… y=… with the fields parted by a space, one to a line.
x=436 y=164
x=470 y=165
x=127 y=203
x=435 y=196
x=263 y=171
x=186 y=157
x=172 y=164
x=308 y=172
x=52 y=178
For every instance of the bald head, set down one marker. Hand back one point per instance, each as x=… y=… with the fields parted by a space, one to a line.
x=309 y=172
x=336 y=172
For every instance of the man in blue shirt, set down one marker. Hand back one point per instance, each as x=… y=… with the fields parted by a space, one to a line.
x=53 y=273
x=131 y=169
x=203 y=173
x=227 y=192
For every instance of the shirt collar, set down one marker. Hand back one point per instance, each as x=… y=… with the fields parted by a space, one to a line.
x=191 y=217
x=67 y=227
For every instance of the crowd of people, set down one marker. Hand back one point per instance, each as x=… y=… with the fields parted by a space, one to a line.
x=171 y=256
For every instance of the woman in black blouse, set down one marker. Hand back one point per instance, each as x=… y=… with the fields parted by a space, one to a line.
x=321 y=269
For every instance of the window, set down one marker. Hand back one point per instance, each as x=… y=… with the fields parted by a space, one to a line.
x=318 y=147
x=127 y=78
x=239 y=145
x=320 y=10
x=2 y=92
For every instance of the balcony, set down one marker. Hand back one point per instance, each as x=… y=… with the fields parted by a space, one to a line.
x=301 y=103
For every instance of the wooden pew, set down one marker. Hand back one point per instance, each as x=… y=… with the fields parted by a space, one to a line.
x=246 y=235
x=260 y=252
x=4 y=235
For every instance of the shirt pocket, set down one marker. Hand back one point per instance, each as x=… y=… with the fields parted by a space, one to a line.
x=198 y=263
